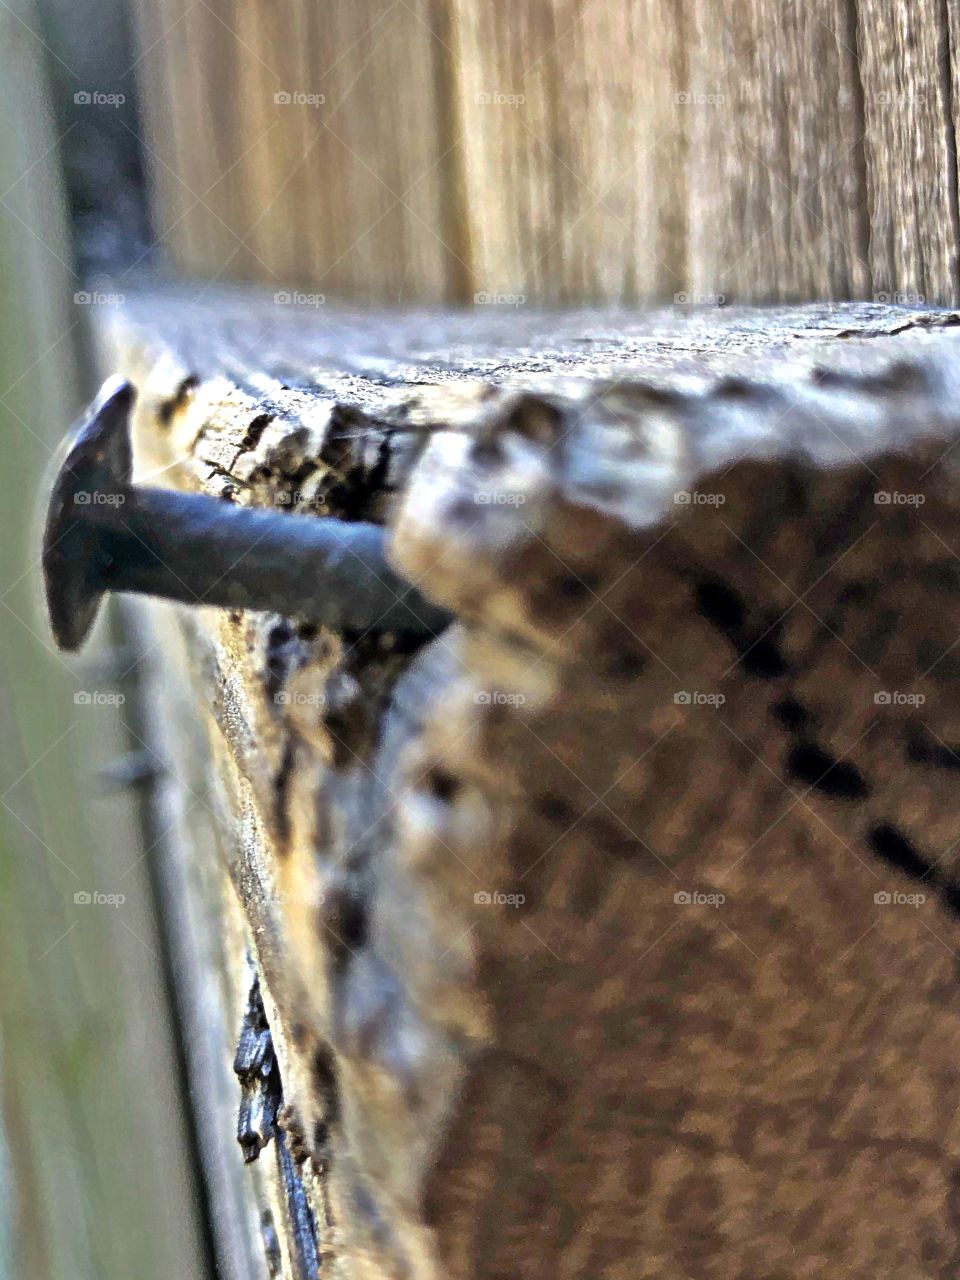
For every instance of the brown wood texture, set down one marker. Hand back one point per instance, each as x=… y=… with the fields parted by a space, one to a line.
x=907 y=78
x=349 y=192
x=558 y=150
x=776 y=174
x=614 y=932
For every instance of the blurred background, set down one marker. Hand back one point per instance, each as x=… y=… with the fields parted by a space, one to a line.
x=478 y=153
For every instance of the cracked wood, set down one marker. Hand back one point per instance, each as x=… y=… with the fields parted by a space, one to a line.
x=615 y=931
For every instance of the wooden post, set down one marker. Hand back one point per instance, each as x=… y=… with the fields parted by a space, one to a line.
x=614 y=932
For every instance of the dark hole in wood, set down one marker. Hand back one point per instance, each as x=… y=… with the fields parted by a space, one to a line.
x=790 y=714
x=924 y=749
x=555 y=809
x=764 y=660
x=896 y=850
x=721 y=606
x=573 y=588
x=625 y=666
x=443 y=785
x=836 y=778
x=325 y=1079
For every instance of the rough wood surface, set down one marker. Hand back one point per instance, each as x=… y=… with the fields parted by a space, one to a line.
x=613 y=933
x=776 y=173
x=559 y=151
x=910 y=147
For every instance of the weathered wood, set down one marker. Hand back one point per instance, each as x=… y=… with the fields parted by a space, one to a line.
x=571 y=967
x=273 y=156
x=201 y=931
x=560 y=152
x=905 y=71
x=775 y=174
x=573 y=159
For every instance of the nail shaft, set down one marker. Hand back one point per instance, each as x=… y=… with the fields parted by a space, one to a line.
x=199 y=550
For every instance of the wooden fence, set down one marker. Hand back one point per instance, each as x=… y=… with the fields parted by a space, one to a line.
x=558 y=151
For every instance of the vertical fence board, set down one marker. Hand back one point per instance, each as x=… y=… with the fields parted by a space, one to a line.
x=775 y=172
x=313 y=137
x=562 y=150
x=570 y=153
x=911 y=166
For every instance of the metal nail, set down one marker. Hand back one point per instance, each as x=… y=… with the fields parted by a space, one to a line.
x=105 y=534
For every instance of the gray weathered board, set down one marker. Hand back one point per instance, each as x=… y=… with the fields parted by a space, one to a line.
x=613 y=933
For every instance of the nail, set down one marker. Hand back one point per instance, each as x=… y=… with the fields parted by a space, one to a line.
x=105 y=534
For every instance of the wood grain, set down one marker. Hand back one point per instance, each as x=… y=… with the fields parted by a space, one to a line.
x=342 y=185
x=907 y=78
x=585 y=149
x=719 y=1034
x=775 y=172
x=559 y=150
